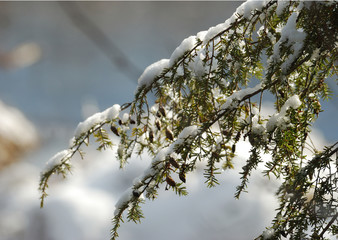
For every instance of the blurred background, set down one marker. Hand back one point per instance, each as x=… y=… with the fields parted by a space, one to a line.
x=62 y=62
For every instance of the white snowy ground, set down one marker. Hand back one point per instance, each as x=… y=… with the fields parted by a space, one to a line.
x=81 y=207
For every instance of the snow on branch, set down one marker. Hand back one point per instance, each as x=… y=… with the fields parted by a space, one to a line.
x=280 y=119
x=290 y=37
x=208 y=97
x=152 y=71
x=106 y=116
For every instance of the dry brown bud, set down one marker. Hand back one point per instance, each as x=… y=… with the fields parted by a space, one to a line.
x=182 y=176
x=170 y=181
x=151 y=136
x=114 y=130
x=136 y=193
x=169 y=134
x=162 y=111
x=233 y=149
x=215 y=155
x=173 y=162
x=238 y=135
x=226 y=133
x=158 y=124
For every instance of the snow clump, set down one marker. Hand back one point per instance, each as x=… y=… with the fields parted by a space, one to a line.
x=290 y=36
x=152 y=71
x=186 y=45
x=107 y=115
x=231 y=101
x=57 y=159
x=279 y=119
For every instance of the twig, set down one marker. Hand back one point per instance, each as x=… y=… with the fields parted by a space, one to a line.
x=328 y=225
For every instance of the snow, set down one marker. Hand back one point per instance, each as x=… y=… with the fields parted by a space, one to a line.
x=157 y=161
x=187 y=132
x=189 y=43
x=125 y=197
x=18 y=195
x=268 y=234
x=282 y=4
x=257 y=128
x=125 y=117
x=247 y=91
x=198 y=66
x=107 y=115
x=239 y=95
x=57 y=159
x=291 y=36
x=186 y=45
x=315 y=54
x=82 y=206
x=77 y=214
x=201 y=35
x=247 y=214
x=213 y=31
x=280 y=119
x=15 y=127
x=246 y=8
x=149 y=74
x=156 y=68
x=293 y=102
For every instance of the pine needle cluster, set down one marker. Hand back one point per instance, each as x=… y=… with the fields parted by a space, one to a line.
x=208 y=97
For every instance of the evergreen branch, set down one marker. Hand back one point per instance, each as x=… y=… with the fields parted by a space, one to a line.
x=251 y=164
x=203 y=107
x=333 y=219
x=64 y=165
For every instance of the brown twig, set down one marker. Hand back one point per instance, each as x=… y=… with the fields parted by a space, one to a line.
x=328 y=225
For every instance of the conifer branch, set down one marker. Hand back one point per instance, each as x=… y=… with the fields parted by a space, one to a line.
x=204 y=108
